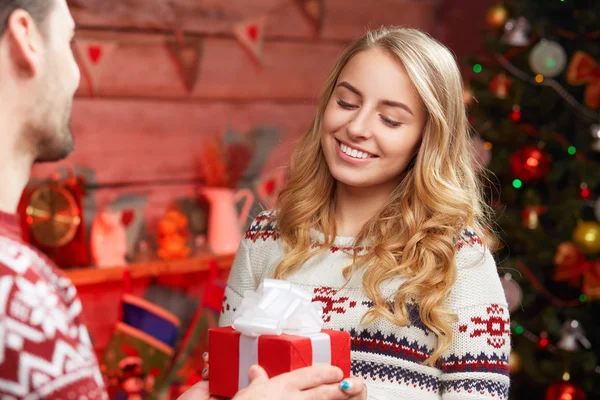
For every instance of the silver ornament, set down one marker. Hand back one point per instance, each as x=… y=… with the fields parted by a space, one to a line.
x=572 y=335
x=547 y=58
x=516 y=32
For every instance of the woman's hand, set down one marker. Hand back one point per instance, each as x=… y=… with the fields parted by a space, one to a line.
x=320 y=381
x=355 y=388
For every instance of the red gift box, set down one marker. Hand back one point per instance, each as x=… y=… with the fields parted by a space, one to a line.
x=276 y=354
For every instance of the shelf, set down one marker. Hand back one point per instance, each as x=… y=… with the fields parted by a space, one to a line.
x=95 y=275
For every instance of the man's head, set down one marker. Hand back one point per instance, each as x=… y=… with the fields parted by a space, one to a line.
x=39 y=73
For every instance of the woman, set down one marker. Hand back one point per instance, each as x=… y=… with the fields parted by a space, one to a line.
x=383 y=221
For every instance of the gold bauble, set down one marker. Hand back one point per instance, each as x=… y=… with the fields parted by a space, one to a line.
x=514 y=363
x=497 y=16
x=587 y=236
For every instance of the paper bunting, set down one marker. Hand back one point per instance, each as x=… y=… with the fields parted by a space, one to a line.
x=94 y=55
x=187 y=53
x=314 y=11
x=250 y=34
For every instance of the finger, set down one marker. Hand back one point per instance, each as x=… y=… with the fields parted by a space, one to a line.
x=310 y=377
x=330 y=391
x=205 y=356
x=257 y=374
x=198 y=391
x=353 y=386
x=205 y=373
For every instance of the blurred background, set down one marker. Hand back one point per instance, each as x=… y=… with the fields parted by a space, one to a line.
x=185 y=119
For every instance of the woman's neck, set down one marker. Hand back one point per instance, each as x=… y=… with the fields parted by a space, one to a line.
x=355 y=206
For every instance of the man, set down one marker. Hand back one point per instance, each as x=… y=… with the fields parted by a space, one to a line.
x=45 y=350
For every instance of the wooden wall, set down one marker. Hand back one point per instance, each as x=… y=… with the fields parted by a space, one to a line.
x=142 y=132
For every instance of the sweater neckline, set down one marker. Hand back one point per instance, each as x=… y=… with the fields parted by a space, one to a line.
x=342 y=241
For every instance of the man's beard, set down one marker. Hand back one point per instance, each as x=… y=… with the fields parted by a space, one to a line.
x=52 y=136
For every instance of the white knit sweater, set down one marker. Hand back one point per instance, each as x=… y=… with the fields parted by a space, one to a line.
x=386 y=356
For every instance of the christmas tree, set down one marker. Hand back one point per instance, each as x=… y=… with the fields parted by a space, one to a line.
x=533 y=101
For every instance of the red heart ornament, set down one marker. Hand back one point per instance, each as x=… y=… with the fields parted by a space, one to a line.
x=270 y=187
x=252 y=31
x=127 y=217
x=95 y=52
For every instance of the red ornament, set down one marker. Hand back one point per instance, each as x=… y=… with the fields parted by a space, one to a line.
x=565 y=391
x=543 y=343
x=530 y=163
x=570 y=264
x=585 y=191
x=499 y=85
x=515 y=114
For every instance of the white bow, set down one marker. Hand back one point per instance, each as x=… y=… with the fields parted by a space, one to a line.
x=275 y=308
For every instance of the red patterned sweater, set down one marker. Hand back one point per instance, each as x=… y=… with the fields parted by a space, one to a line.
x=45 y=349
x=389 y=357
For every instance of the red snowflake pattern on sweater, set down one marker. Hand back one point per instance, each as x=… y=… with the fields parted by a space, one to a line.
x=496 y=326
x=469 y=238
x=45 y=349
x=331 y=303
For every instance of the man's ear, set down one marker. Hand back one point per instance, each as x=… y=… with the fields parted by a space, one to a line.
x=25 y=42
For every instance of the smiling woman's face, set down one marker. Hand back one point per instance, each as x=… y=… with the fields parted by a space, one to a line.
x=373 y=122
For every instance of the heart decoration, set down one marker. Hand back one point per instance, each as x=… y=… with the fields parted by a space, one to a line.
x=95 y=53
x=127 y=217
x=252 y=31
x=270 y=186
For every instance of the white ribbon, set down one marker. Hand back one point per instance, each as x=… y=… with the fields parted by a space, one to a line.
x=277 y=307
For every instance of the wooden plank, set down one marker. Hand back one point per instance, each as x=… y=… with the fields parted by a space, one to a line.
x=125 y=141
x=93 y=276
x=343 y=20
x=141 y=67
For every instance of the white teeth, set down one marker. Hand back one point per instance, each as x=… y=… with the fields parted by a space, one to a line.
x=353 y=152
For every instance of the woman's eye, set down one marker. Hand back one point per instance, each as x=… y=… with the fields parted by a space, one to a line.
x=389 y=122
x=345 y=105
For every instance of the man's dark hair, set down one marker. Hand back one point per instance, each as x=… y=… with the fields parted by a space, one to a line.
x=38 y=9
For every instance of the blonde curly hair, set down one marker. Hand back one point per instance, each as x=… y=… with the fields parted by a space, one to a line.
x=414 y=235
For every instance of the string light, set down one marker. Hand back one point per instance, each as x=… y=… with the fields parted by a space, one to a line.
x=532 y=337
x=519 y=330
x=506 y=64
x=517 y=183
x=477 y=68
